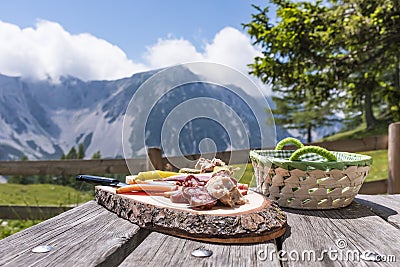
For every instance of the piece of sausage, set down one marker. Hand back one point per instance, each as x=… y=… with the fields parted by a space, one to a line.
x=179 y=179
x=177 y=197
x=199 y=198
x=193 y=181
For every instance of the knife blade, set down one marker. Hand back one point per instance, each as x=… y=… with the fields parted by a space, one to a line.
x=100 y=180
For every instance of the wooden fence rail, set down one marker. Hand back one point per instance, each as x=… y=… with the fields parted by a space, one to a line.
x=19 y=212
x=64 y=167
x=110 y=166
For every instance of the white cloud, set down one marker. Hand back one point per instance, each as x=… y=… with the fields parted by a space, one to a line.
x=229 y=47
x=171 y=52
x=49 y=51
x=233 y=48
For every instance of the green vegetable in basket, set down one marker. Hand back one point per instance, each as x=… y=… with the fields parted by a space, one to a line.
x=313 y=149
x=289 y=140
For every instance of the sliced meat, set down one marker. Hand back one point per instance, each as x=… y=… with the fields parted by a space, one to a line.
x=233 y=198
x=217 y=162
x=243 y=186
x=180 y=179
x=193 y=181
x=206 y=165
x=199 y=198
x=225 y=190
x=177 y=197
x=223 y=172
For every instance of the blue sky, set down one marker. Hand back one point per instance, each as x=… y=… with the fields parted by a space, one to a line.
x=132 y=25
x=145 y=31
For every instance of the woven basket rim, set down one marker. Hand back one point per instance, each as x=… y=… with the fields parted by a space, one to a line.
x=352 y=159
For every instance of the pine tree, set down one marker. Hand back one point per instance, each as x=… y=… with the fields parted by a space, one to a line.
x=72 y=154
x=328 y=50
x=302 y=114
x=96 y=155
x=81 y=151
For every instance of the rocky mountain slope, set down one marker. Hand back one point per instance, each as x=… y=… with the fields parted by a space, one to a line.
x=43 y=119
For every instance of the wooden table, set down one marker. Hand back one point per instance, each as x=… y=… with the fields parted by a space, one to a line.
x=90 y=235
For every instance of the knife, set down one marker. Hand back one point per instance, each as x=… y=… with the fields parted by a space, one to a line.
x=100 y=180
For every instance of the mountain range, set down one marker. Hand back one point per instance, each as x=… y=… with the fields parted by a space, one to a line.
x=44 y=119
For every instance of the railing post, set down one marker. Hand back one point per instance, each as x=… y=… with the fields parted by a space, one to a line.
x=155 y=156
x=394 y=158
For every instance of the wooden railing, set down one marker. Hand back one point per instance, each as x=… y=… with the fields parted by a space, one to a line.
x=112 y=166
x=21 y=212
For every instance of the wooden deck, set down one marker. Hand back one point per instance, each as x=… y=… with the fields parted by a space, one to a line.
x=90 y=235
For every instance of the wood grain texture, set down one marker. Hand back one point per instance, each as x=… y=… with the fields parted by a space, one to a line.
x=88 y=235
x=248 y=223
x=164 y=250
x=394 y=159
x=361 y=229
x=385 y=206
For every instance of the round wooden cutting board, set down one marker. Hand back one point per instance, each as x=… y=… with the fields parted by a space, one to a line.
x=257 y=221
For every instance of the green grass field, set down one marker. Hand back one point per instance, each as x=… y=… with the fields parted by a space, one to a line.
x=379 y=168
x=41 y=194
x=10 y=227
x=36 y=194
x=359 y=132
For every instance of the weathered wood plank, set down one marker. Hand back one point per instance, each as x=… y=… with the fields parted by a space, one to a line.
x=356 y=228
x=14 y=212
x=374 y=188
x=88 y=235
x=356 y=145
x=385 y=206
x=394 y=159
x=163 y=250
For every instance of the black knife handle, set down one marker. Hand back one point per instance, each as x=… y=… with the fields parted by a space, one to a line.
x=97 y=179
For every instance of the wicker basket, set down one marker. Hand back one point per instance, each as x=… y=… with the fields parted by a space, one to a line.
x=309 y=180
